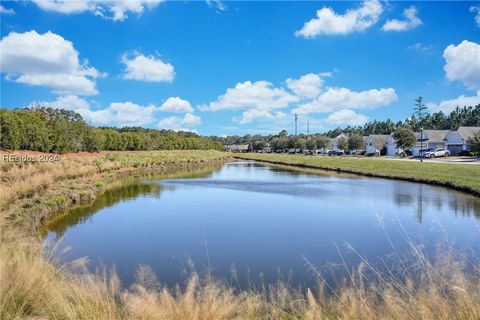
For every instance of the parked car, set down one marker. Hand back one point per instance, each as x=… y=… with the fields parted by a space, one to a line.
x=323 y=152
x=335 y=153
x=439 y=152
x=405 y=153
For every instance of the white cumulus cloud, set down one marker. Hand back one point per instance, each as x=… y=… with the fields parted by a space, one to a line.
x=308 y=85
x=176 y=104
x=61 y=83
x=191 y=119
x=476 y=9
x=147 y=68
x=258 y=99
x=115 y=10
x=411 y=21
x=4 y=10
x=258 y=114
x=252 y=95
x=448 y=106
x=46 y=60
x=69 y=102
x=66 y=6
x=343 y=98
x=347 y=117
x=422 y=48
x=217 y=5
x=116 y=114
x=131 y=114
x=328 y=22
x=463 y=63
x=184 y=123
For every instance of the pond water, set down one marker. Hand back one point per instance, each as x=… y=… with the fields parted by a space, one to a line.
x=249 y=222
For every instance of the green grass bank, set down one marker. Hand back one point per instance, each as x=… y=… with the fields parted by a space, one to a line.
x=464 y=177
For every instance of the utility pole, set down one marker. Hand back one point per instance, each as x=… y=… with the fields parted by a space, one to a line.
x=296 y=119
x=421 y=144
x=308 y=127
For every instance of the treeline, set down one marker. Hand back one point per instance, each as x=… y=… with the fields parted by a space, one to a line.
x=466 y=116
x=60 y=131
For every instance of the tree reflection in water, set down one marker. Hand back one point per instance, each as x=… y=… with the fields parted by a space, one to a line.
x=121 y=191
x=419 y=195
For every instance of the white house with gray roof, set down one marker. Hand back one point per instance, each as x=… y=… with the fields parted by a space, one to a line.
x=236 y=148
x=376 y=143
x=457 y=141
x=392 y=148
x=336 y=140
x=432 y=139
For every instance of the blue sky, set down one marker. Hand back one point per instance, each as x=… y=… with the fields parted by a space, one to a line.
x=239 y=67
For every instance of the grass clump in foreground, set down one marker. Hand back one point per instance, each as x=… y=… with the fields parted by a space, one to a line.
x=35 y=287
x=459 y=176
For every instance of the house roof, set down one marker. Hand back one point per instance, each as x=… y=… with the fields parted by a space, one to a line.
x=467 y=132
x=329 y=142
x=341 y=135
x=434 y=136
x=378 y=140
x=237 y=147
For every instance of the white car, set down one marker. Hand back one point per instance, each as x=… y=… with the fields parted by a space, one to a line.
x=439 y=152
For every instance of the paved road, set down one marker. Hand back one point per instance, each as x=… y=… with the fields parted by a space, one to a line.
x=453 y=160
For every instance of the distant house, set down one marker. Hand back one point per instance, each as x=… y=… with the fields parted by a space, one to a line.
x=336 y=140
x=326 y=149
x=432 y=139
x=392 y=148
x=457 y=141
x=267 y=149
x=236 y=148
x=364 y=145
x=376 y=143
x=365 y=141
x=360 y=149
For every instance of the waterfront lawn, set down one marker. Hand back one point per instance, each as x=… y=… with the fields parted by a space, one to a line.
x=464 y=177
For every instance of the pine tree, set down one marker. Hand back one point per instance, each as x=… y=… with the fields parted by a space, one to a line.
x=420 y=108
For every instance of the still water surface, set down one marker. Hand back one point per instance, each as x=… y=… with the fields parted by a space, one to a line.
x=264 y=222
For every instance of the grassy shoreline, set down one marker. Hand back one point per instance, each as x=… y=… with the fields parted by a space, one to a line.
x=34 y=286
x=33 y=190
x=462 y=177
x=169 y=172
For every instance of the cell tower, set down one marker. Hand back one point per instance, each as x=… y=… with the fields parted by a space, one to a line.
x=296 y=120
x=308 y=127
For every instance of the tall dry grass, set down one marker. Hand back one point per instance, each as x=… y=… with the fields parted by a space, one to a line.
x=22 y=178
x=35 y=286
